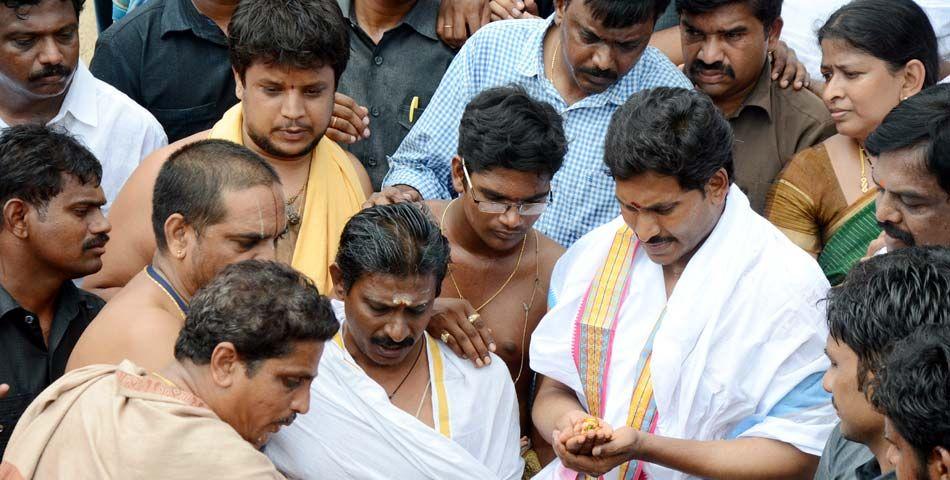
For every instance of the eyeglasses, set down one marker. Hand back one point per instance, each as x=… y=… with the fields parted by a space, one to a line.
x=498 y=208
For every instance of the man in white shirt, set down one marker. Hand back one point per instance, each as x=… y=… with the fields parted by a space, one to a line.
x=394 y=402
x=42 y=81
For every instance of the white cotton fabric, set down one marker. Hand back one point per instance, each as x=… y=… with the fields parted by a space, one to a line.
x=743 y=328
x=353 y=431
x=118 y=131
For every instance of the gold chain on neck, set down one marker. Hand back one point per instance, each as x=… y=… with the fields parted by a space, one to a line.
x=865 y=185
x=524 y=241
x=165 y=380
x=534 y=289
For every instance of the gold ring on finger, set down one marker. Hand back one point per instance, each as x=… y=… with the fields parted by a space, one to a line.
x=473 y=317
x=445 y=337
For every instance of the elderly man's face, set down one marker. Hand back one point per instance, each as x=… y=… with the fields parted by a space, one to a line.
x=598 y=56
x=39 y=49
x=386 y=315
x=269 y=394
x=912 y=207
x=253 y=222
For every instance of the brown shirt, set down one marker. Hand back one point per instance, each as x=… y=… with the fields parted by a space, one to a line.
x=772 y=125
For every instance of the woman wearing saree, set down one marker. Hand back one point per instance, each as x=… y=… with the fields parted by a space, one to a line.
x=875 y=53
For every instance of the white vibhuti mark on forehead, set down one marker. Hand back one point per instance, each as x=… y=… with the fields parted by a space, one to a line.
x=402 y=299
x=260 y=216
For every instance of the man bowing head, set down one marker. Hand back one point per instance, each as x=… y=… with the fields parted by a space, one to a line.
x=714 y=315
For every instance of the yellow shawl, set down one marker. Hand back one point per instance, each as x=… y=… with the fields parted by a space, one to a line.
x=334 y=195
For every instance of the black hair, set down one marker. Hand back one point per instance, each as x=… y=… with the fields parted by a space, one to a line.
x=895 y=31
x=625 y=13
x=766 y=11
x=885 y=298
x=912 y=389
x=232 y=309
x=305 y=34
x=399 y=239
x=193 y=179
x=35 y=161
x=504 y=127
x=921 y=122
x=675 y=132
x=21 y=7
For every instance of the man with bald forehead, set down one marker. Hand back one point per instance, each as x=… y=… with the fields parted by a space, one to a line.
x=215 y=203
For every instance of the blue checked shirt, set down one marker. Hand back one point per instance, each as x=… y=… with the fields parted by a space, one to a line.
x=507 y=52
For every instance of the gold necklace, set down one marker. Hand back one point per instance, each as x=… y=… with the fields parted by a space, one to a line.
x=865 y=186
x=534 y=290
x=290 y=207
x=167 y=294
x=422 y=401
x=524 y=241
x=165 y=380
x=554 y=63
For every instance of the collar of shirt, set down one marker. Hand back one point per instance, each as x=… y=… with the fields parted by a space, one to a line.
x=531 y=64
x=871 y=470
x=79 y=102
x=422 y=17
x=761 y=95
x=183 y=16
x=68 y=302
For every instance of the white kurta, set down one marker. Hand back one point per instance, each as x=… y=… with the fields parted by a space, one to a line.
x=740 y=349
x=353 y=431
x=118 y=131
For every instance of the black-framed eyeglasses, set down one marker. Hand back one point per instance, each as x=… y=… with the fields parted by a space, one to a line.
x=498 y=208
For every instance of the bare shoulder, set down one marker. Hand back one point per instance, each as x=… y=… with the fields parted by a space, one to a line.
x=155 y=159
x=436 y=209
x=549 y=253
x=365 y=182
x=127 y=330
x=138 y=188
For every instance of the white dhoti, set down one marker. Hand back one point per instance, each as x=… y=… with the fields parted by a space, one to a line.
x=738 y=353
x=353 y=430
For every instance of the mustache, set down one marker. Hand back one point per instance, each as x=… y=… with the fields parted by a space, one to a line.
x=389 y=343
x=98 y=241
x=287 y=420
x=700 y=66
x=897 y=233
x=658 y=239
x=297 y=125
x=595 y=72
x=50 y=71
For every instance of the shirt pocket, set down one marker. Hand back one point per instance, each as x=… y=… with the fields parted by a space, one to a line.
x=182 y=122
x=402 y=115
x=11 y=408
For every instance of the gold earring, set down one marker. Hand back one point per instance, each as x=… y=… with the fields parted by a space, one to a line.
x=181 y=254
